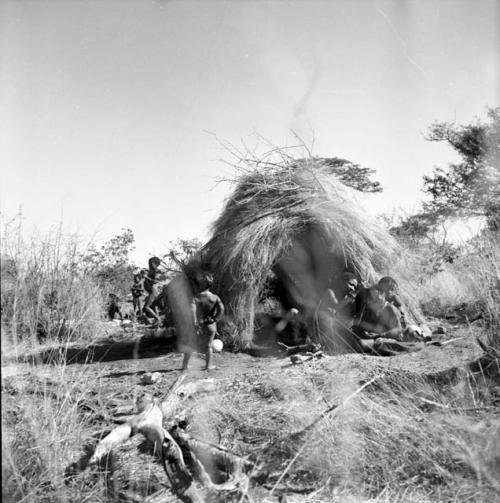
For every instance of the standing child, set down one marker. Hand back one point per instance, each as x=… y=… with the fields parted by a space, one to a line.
x=208 y=310
x=151 y=281
x=137 y=292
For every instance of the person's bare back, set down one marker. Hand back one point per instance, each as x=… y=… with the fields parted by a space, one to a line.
x=208 y=309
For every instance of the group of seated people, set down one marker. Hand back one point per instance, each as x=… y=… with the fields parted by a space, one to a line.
x=371 y=318
x=356 y=319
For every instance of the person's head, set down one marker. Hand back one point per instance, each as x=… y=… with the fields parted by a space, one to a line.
x=154 y=263
x=375 y=298
x=137 y=277
x=388 y=286
x=350 y=283
x=204 y=280
x=208 y=281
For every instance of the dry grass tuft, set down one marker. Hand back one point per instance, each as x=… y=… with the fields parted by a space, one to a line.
x=411 y=442
x=46 y=422
x=45 y=296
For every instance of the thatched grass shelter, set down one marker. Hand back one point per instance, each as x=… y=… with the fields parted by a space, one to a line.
x=294 y=225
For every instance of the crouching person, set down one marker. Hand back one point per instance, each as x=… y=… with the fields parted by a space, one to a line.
x=114 y=308
x=208 y=309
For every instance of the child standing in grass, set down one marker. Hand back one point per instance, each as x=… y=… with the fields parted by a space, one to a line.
x=208 y=310
x=151 y=281
x=137 y=291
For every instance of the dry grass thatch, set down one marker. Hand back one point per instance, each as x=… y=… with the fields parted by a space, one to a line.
x=294 y=221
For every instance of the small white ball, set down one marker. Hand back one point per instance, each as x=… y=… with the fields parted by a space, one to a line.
x=217 y=345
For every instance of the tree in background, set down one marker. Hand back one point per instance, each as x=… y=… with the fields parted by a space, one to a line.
x=110 y=264
x=180 y=253
x=470 y=187
x=351 y=174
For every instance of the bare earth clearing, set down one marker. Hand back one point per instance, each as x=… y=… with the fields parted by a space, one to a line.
x=249 y=404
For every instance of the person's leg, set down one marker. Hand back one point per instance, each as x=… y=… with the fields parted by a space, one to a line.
x=208 y=333
x=149 y=304
x=185 y=359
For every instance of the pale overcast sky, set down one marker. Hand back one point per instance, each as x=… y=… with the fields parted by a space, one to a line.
x=105 y=104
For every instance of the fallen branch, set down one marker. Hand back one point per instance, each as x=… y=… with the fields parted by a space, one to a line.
x=181 y=455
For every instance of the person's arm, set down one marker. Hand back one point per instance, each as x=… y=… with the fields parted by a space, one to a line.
x=392 y=323
x=218 y=311
x=347 y=300
x=395 y=301
x=371 y=330
x=194 y=312
x=331 y=301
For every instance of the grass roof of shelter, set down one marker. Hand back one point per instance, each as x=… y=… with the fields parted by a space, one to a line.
x=274 y=201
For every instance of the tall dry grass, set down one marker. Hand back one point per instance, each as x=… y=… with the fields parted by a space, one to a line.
x=46 y=301
x=45 y=295
x=466 y=289
x=45 y=426
x=403 y=439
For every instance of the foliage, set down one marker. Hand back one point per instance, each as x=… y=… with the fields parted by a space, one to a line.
x=180 y=253
x=44 y=294
x=425 y=239
x=350 y=174
x=110 y=264
x=470 y=187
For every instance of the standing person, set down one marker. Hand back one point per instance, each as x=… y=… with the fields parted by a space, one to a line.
x=208 y=310
x=137 y=292
x=151 y=280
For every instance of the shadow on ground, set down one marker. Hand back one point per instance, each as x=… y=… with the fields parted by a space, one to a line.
x=106 y=351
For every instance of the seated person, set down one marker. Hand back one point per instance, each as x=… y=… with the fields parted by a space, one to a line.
x=378 y=328
x=345 y=307
x=389 y=287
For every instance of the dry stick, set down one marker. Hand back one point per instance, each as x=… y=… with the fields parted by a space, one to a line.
x=315 y=422
x=488 y=349
x=131 y=425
